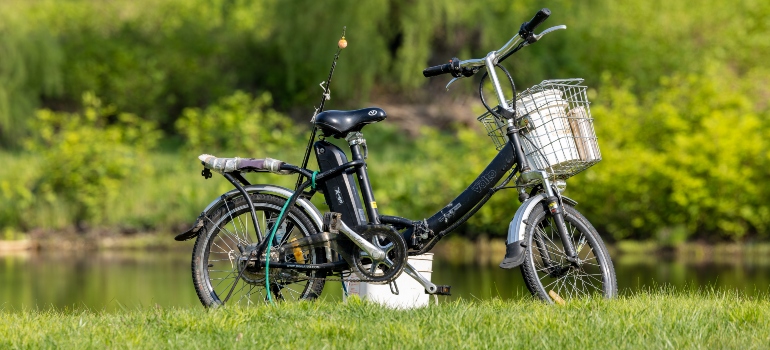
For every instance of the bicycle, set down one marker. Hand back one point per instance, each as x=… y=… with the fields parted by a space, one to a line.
x=281 y=246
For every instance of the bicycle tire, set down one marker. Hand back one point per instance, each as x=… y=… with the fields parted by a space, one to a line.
x=568 y=282
x=229 y=226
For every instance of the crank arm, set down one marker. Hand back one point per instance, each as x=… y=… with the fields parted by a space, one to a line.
x=368 y=247
x=428 y=285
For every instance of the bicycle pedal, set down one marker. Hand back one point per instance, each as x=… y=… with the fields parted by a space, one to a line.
x=331 y=222
x=441 y=290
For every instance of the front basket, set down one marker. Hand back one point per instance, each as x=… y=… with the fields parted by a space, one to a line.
x=557 y=129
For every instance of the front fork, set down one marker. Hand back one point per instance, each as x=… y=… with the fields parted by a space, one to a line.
x=556 y=208
x=553 y=197
x=557 y=211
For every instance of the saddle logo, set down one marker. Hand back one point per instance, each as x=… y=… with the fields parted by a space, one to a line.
x=338 y=193
x=373 y=112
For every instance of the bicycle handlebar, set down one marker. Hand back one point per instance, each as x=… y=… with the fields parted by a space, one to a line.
x=437 y=70
x=539 y=18
x=451 y=67
x=468 y=67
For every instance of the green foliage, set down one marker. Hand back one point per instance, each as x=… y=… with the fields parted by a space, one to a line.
x=238 y=122
x=16 y=196
x=155 y=58
x=149 y=58
x=692 y=153
x=681 y=112
x=30 y=66
x=88 y=159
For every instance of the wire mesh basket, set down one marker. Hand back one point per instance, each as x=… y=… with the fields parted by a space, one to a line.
x=557 y=129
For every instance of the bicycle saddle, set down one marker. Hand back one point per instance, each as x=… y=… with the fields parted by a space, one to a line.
x=340 y=123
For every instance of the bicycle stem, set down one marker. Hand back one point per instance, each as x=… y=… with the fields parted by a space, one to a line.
x=490 y=61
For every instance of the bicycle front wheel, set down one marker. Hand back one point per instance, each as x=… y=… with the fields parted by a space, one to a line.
x=229 y=234
x=547 y=272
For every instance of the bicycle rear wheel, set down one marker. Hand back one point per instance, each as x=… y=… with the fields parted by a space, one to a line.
x=546 y=269
x=221 y=251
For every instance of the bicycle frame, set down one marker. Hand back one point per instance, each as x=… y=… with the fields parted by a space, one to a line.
x=454 y=213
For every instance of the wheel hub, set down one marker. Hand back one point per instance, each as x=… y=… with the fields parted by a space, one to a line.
x=255 y=274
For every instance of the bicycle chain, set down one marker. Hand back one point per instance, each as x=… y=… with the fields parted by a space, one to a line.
x=345 y=279
x=349 y=279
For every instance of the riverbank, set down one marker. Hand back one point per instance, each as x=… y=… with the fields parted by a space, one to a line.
x=486 y=251
x=658 y=319
x=93 y=241
x=456 y=250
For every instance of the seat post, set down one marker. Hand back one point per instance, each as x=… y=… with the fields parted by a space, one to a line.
x=356 y=140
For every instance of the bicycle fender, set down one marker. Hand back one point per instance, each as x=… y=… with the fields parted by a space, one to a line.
x=514 y=248
x=303 y=203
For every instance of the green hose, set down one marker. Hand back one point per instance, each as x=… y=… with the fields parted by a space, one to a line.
x=269 y=244
x=270 y=241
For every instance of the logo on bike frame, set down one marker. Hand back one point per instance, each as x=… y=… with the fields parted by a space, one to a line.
x=484 y=181
x=445 y=216
x=339 y=195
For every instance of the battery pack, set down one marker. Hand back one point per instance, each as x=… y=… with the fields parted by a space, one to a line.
x=340 y=191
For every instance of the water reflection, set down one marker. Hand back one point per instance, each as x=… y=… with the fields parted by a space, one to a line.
x=116 y=280
x=108 y=281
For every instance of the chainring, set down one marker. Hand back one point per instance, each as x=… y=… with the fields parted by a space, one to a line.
x=385 y=270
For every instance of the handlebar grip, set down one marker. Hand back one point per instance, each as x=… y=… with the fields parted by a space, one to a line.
x=539 y=18
x=437 y=70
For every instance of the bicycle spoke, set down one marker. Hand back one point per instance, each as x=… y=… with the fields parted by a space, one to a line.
x=568 y=280
x=230 y=238
x=230 y=213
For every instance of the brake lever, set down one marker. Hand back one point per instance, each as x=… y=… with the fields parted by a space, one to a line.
x=453 y=80
x=552 y=29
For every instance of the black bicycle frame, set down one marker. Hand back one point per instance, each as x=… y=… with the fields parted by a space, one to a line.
x=442 y=222
x=479 y=189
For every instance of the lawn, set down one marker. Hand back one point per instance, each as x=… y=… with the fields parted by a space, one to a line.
x=658 y=319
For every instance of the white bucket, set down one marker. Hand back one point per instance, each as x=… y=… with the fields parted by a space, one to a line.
x=411 y=293
x=552 y=134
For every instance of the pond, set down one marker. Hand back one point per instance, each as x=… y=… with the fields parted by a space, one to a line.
x=126 y=280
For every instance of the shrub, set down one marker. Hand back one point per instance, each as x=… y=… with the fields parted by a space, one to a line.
x=88 y=157
x=238 y=122
x=692 y=155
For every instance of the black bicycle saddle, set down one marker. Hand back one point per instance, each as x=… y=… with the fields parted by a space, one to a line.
x=340 y=123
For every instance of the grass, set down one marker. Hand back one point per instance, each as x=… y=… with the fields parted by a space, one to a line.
x=660 y=319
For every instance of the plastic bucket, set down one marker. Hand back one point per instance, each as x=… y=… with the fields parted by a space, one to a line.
x=411 y=293
x=550 y=131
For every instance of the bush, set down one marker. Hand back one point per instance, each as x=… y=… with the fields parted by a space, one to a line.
x=155 y=58
x=89 y=157
x=692 y=155
x=240 y=123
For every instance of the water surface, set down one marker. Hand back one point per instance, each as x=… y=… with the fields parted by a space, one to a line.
x=117 y=280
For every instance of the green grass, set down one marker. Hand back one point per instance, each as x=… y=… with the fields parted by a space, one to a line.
x=644 y=320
